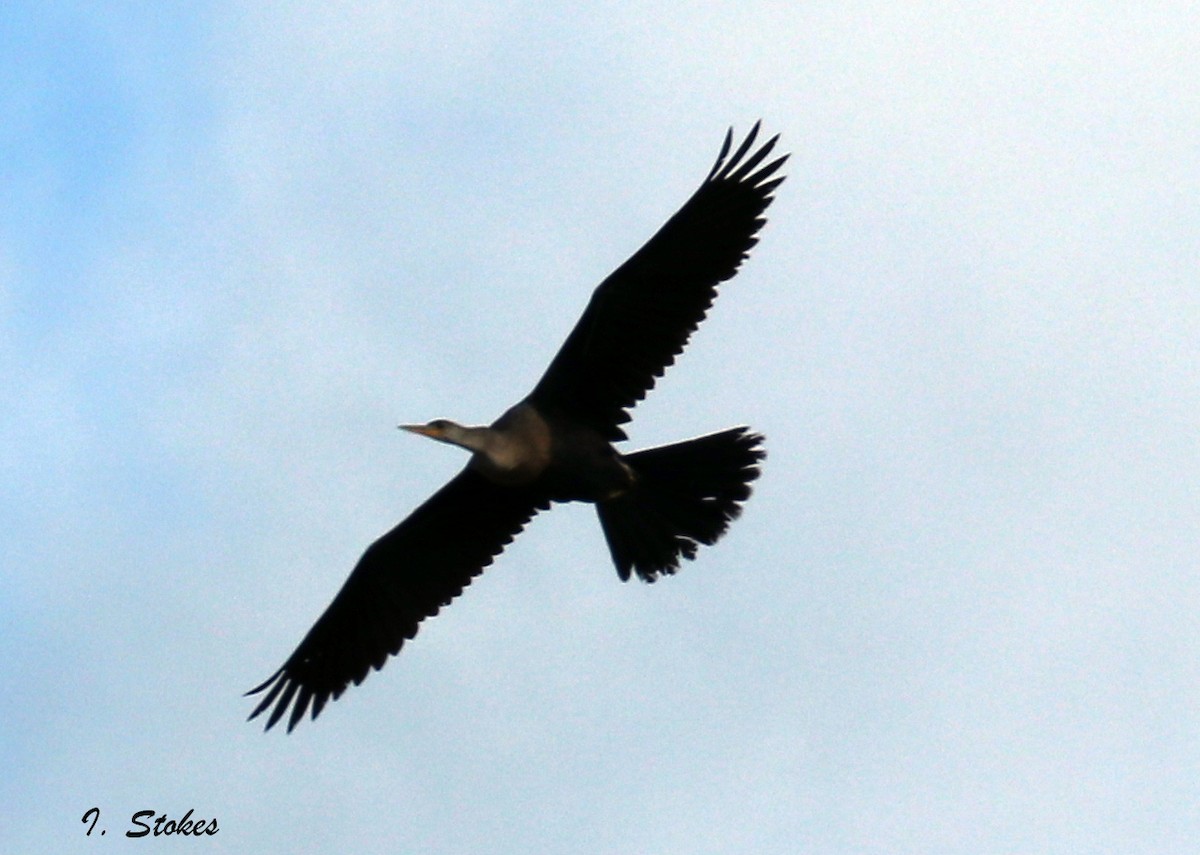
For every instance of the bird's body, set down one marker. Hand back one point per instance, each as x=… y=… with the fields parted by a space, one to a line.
x=556 y=445
x=569 y=462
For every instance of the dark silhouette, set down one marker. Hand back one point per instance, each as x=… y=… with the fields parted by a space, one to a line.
x=655 y=506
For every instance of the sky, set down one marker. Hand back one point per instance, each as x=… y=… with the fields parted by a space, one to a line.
x=240 y=243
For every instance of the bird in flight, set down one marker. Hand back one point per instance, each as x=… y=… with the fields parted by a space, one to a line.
x=656 y=506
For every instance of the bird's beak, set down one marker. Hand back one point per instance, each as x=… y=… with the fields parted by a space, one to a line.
x=423 y=430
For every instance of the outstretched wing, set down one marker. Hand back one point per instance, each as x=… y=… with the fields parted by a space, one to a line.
x=641 y=316
x=404 y=577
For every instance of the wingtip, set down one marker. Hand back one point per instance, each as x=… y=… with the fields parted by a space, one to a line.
x=725 y=146
x=281 y=706
x=738 y=166
x=263 y=685
x=274 y=686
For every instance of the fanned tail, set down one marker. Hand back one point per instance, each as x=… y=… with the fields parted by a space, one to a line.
x=685 y=495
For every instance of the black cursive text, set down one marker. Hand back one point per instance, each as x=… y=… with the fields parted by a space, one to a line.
x=165 y=826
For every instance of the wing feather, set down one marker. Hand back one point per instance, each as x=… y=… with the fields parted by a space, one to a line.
x=403 y=578
x=641 y=317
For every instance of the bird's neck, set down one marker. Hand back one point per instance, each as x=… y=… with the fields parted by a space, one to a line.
x=513 y=450
x=471 y=437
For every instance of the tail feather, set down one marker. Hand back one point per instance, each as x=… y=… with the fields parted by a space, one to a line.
x=685 y=495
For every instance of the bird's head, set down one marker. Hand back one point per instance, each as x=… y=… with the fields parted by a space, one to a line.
x=442 y=430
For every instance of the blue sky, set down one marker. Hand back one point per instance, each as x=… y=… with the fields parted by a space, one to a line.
x=239 y=244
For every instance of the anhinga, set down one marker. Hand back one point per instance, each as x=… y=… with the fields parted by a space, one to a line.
x=655 y=506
